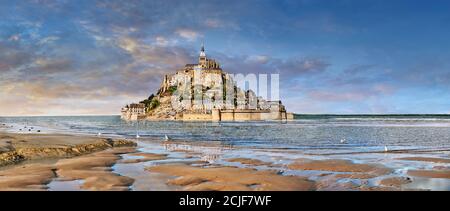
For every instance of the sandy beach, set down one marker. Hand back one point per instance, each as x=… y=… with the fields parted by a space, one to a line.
x=81 y=162
x=31 y=161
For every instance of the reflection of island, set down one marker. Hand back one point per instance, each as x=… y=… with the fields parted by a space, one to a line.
x=204 y=91
x=209 y=152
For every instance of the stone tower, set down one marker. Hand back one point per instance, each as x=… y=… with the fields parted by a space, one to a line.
x=202 y=57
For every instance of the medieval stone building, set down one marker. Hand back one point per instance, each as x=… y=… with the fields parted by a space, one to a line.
x=203 y=91
x=134 y=111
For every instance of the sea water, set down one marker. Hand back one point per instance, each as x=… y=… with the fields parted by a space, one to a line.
x=321 y=133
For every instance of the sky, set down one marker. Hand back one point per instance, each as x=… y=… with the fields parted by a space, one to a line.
x=88 y=57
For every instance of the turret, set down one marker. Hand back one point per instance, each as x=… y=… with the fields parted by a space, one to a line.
x=202 y=57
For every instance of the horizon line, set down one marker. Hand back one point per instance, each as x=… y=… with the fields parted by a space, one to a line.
x=305 y=114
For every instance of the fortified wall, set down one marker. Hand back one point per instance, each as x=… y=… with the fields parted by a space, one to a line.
x=204 y=92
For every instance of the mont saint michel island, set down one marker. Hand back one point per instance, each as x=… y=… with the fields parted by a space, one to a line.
x=205 y=92
x=209 y=95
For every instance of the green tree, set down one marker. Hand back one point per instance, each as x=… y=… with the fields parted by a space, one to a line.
x=148 y=101
x=172 y=89
x=154 y=104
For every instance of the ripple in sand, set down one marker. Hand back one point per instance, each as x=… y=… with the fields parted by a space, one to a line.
x=227 y=178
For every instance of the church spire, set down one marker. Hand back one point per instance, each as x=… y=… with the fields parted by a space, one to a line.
x=202 y=57
x=202 y=51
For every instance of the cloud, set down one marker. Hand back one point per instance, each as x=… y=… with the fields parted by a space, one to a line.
x=384 y=89
x=213 y=23
x=13 y=56
x=48 y=40
x=217 y=24
x=155 y=55
x=338 y=96
x=188 y=34
x=298 y=65
x=261 y=59
x=358 y=69
x=129 y=45
x=289 y=68
x=426 y=71
x=52 y=65
x=350 y=93
x=51 y=4
x=162 y=41
x=15 y=37
x=94 y=56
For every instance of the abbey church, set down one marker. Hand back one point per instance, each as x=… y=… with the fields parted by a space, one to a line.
x=204 y=92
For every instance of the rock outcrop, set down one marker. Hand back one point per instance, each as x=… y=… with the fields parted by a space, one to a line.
x=17 y=148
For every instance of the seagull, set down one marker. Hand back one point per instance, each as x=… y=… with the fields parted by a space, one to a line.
x=343 y=141
x=137 y=135
x=167 y=138
x=99 y=134
x=385 y=148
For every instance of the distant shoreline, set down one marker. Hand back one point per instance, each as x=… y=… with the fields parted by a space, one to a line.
x=295 y=114
x=326 y=116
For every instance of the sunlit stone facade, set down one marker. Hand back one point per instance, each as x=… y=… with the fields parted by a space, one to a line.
x=203 y=91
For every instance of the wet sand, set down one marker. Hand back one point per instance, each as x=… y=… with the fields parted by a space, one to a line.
x=143 y=157
x=15 y=148
x=231 y=179
x=362 y=171
x=28 y=177
x=75 y=162
x=426 y=159
x=93 y=169
x=61 y=157
x=248 y=161
x=430 y=173
x=395 y=181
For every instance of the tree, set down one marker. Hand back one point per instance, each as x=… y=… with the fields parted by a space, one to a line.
x=172 y=89
x=147 y=102
x=154 y=104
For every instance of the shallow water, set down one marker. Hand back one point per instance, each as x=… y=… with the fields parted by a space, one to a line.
x=57 y=185
x=321 y=134
x=434 y=184
x=279 y=159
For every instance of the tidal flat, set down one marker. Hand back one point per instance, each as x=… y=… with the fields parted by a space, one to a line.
x=89 y=163
x=323 y=154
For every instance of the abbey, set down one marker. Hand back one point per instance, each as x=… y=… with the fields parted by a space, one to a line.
x=203 y=91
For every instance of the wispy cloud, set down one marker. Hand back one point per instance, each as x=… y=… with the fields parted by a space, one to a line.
x=188 y=34
x=94 y=56
x=15 y=37
x=48 y=40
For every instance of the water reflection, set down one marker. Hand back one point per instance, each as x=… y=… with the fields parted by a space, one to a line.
x=434 y=184
x=59 y=185
x=361 y=132
x=209 y=152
